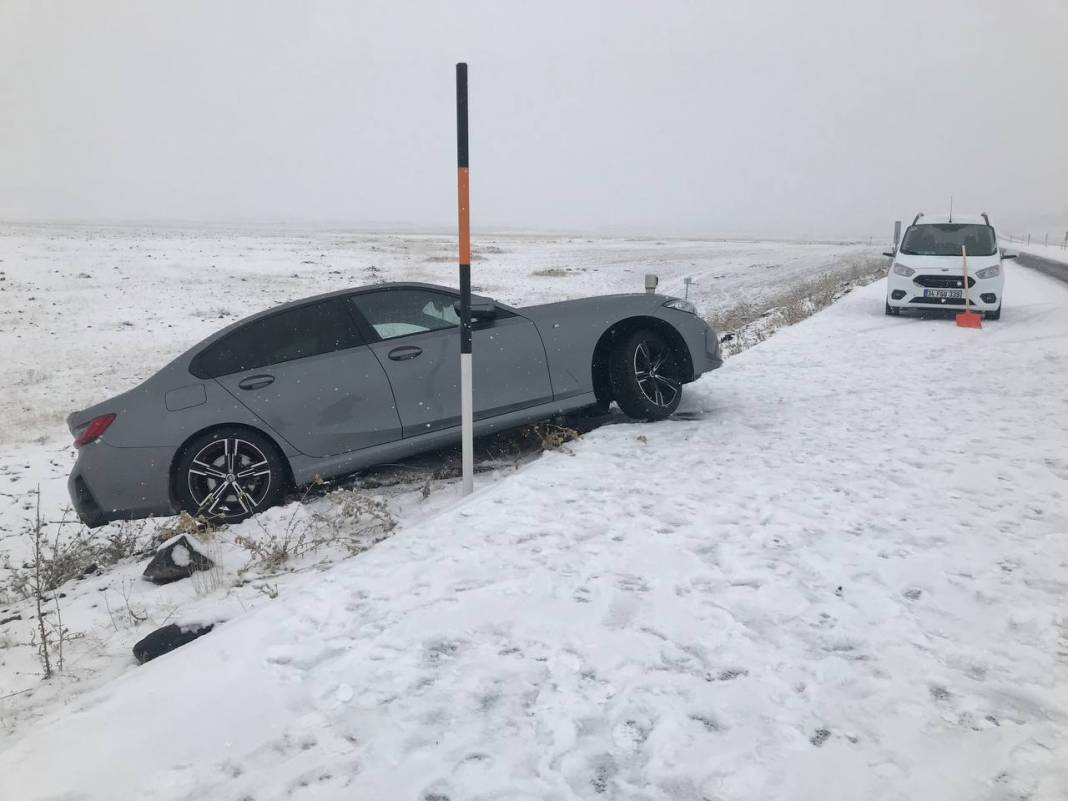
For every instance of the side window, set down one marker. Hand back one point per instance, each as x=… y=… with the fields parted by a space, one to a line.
x=400 y=312
x=294 y=334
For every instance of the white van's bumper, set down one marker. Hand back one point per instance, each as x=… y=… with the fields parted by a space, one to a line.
x=911 y=292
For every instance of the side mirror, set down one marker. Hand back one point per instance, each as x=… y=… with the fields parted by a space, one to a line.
x=1009 y=256
x=889 y=253
x=481 y=308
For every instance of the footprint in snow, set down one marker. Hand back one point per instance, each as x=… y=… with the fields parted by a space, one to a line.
x=709 y=722
x=621 y=612
x=819 y=737
x=438 y=651
x=729 y=675
x=939 y=693
x=604 y=770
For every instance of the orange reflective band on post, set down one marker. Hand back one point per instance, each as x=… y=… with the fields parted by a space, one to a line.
x=464 y=204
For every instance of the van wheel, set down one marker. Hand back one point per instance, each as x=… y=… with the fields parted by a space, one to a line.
x=993 y=315
x=893 y=311
x=228 y=474
x=646 y=377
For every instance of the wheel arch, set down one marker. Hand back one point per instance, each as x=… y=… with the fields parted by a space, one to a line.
x=180 y=451
x=602 y=386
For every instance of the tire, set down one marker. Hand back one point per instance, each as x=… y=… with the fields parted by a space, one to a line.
x=891 y=310
x=993 y=315
x=646 y=376
x=208 y=479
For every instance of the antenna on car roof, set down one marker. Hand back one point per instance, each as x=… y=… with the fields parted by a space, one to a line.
x=985 y=218
x=951 y=208
x=916 y=219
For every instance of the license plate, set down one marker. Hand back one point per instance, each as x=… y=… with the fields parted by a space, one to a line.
x=943 y=293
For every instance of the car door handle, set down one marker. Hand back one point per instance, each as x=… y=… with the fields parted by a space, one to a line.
x=256 y=381
x=404 y=353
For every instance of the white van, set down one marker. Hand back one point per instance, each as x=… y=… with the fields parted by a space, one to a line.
x=927 y=268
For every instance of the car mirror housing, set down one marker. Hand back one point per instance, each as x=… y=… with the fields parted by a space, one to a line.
x=889 y=253
x=1009 y=256
x=481 y=308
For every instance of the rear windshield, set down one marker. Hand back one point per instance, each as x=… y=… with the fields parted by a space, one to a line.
x=946 y=239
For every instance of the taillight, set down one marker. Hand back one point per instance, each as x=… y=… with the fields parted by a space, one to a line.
x=97 y=426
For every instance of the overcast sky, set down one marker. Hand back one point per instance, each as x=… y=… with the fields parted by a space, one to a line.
x=810 y=118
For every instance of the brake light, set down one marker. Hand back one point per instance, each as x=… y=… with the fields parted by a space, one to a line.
x=97 y=426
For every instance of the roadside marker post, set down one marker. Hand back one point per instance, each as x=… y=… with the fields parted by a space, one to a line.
x=967 y=318
x=467 y=426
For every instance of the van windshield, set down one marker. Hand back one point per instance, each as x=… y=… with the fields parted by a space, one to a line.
x=946 y=239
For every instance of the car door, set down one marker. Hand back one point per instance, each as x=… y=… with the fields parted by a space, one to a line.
x=307 y=373
x=418 y=344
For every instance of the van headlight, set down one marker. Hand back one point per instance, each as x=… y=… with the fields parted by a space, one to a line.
x=681 y=305
x=901 y=269
x=989 y=272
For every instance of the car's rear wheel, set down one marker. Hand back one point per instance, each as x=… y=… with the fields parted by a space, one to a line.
x=993 y=315
x=646 y=376
x=228 y=474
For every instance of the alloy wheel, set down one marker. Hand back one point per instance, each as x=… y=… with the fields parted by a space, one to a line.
x=229 y=477
x=654 y=368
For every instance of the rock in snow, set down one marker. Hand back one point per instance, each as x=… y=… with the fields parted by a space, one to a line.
x=178 y=558
x=166 y=639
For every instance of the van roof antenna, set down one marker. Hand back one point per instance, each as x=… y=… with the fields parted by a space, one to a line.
x=951 y=208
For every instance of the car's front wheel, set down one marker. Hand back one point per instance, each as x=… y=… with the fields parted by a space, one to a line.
x=228 y=474
x=892 y=310
x=993 y=315
x=646 y=376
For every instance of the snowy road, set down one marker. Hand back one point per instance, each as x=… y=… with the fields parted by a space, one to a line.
x=1057 y=269
x=840 y=574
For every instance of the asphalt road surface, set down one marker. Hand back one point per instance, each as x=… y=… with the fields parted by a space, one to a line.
x=1048 y=266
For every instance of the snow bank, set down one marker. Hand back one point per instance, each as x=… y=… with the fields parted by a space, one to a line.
x=838 y=574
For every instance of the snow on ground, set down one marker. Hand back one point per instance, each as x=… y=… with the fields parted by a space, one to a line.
x=88 y=311
x=837 y=574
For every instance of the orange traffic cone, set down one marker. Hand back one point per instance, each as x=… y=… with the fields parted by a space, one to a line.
x=967 y=318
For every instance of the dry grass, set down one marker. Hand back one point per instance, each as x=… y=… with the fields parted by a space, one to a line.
x=350 y=521
x=74 y=550
x=49 y=634
x=552 y=436
x=745 y=324
x=552 y=272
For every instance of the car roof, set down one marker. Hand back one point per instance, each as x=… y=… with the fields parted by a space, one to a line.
x=944 y=219
x=311 y=299
x=353 y=290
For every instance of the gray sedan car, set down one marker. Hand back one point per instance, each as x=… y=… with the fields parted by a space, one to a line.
x=334 y=383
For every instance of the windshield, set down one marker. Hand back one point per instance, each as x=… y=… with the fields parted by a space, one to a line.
x=946 y=239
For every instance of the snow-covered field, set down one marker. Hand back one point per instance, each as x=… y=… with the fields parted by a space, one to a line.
x=837 y=573
x=88 y=311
